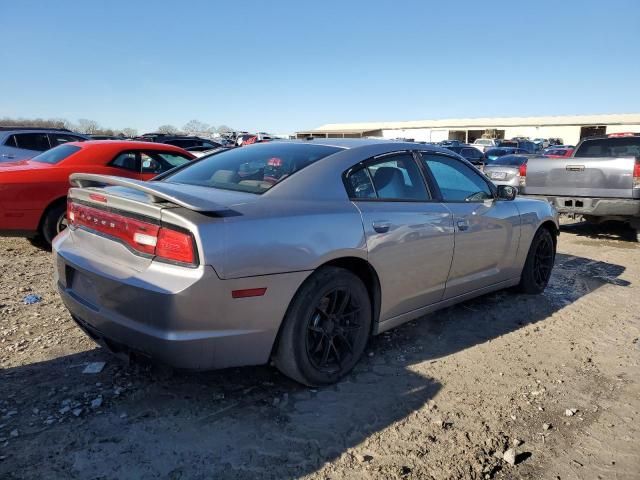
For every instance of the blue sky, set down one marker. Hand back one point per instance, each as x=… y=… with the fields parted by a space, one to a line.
x=282 y=66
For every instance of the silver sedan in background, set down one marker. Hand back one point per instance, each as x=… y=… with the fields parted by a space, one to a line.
x=508 y=170
x=293 y=251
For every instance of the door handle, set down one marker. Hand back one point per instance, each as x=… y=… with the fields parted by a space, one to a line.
x=463 y=225
x=381 y=226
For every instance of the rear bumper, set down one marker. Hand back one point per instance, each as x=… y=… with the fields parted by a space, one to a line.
x=185 y=318
x=597 y=207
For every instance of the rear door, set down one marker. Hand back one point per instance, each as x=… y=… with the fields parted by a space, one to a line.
x=409 y=234
x=487 y=230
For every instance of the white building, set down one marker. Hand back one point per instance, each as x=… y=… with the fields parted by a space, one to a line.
x=569 y=128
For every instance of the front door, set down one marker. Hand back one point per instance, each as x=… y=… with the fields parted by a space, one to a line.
x=409 y=235
x=487 y=230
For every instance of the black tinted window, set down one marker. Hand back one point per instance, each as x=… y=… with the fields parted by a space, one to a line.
x=457 y=181
x=61 y=139
x=610 y=147
x=361 y=185
x=253 y=169
x=56 y=154
x=33 y=141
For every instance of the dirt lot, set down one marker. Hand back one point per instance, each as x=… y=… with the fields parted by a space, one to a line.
x=443 y=397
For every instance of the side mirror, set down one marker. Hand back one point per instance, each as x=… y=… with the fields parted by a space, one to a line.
x=507 y=192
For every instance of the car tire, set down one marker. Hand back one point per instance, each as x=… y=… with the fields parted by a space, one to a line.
x=54 y=222
x=325 y=329
x=539 y=264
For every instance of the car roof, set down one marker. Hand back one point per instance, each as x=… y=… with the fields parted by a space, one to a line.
x=125 y=145
x=354 y=143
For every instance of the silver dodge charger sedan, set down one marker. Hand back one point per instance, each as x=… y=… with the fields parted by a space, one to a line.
x=294 y=251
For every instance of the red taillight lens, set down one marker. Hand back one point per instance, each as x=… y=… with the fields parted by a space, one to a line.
x=143 y=237
x=175 y=246
x=523 y=174
x=636 y=174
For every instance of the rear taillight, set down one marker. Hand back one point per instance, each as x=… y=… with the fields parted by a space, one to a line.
x=141 y=236
x=522 y=172
x=175 y=246
x=636 y=174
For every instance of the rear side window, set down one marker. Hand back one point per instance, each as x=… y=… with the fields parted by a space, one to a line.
x=11 y=142
x=610 y=147
x=32 y=141
x=253 y=169
x=56 y=154
x=395 y=177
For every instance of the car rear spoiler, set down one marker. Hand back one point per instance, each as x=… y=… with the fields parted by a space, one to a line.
x=156 y=192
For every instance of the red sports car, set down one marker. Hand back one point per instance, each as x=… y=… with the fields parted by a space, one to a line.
x=33 y=193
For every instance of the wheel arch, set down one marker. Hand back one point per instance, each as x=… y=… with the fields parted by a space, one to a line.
x=363 y=270
x=553 y=229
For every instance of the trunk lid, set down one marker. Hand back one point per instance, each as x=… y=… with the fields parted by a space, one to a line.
x=133 y=222
x=502 y=173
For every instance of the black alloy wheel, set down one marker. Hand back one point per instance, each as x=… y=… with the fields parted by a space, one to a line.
x=333 y=329
x=326 y=328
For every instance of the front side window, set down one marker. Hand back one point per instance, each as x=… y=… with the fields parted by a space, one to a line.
x=33 y=141
x=457 y=181
x=393 y=177
x=254 y=169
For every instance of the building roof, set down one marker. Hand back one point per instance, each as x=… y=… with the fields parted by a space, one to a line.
x=605 y=119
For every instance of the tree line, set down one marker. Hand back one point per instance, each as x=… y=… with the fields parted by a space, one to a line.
x=91 y=127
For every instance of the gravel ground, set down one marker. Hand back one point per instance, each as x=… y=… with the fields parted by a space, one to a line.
x=551 y=380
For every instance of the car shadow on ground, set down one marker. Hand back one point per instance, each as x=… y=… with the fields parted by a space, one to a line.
x=252 y=422
x=605 y=231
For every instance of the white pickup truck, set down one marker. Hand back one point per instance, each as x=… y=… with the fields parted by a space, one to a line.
x=600 y=181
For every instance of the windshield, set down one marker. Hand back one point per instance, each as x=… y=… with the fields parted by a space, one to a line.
x=56 y=154
x=507 y=160
x=253 y=169
x=483 y=141
x=497 y=152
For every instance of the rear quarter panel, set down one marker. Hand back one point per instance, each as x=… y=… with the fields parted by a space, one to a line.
x=533 y=213
x=282 y=236
x=24 y=195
